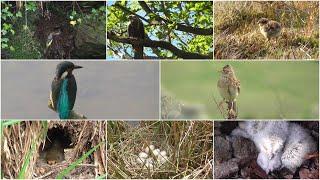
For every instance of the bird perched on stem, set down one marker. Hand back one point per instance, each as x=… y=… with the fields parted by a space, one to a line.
x=136 y=30
x=229 y=88
x=64 y=89
x=269 y=28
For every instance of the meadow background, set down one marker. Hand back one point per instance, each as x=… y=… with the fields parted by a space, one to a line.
x=237 y=34
x=269 y=90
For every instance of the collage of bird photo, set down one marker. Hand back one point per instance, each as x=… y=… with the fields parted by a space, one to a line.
x=159 y=89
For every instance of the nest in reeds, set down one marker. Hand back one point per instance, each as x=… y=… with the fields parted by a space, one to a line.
x=186 y=145
x=25 y=142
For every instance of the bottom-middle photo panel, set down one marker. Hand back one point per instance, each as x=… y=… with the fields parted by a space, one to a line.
x=159 y=149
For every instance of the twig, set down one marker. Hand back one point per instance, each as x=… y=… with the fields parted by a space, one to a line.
x=45 y=175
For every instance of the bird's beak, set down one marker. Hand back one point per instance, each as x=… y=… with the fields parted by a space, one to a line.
x=77 y=67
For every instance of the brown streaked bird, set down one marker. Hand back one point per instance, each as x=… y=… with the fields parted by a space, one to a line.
x=269 y=28
x=229 y=88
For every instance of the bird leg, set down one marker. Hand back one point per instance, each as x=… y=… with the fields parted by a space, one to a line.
x=231 y=110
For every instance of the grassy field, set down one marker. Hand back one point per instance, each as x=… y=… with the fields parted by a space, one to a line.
x=237 y=34
x=268 y=89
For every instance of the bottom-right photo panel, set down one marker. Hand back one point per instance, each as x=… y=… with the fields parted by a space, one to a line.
x=266 y=149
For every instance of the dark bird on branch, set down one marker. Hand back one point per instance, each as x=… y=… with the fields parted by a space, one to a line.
x=136 y=30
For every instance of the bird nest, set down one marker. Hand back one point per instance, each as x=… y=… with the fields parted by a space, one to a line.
x=150 y=149
x=24 y=144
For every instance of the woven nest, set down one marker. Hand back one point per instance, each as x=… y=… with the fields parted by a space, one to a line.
x=187 y=145
x=77 y=138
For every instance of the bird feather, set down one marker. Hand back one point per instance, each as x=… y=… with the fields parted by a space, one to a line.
x=63 y=102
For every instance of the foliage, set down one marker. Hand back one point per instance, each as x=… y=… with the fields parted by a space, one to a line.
x=20 y=35
x=73 y=165
x=96 y=15
x=194 y=14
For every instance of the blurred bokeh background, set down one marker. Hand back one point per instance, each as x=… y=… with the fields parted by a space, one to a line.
x=269 y=90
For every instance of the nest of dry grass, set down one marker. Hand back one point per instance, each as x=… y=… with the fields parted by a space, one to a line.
x=22 y=144
x=188 y=146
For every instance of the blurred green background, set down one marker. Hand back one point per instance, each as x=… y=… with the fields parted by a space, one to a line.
x=269 y=90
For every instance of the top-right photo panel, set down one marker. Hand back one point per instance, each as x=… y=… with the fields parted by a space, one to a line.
x=266 y=30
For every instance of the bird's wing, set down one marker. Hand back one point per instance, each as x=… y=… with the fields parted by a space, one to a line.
x=72 y=91
x=141 y=29
x=55 y=91
x=130 y=30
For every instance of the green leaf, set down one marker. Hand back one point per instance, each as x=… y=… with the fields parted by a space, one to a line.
x=66 y=171
x=26 y=162
x=19 y=14
x=12 y=48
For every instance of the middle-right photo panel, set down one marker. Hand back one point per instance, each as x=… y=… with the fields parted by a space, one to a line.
x=240 y=90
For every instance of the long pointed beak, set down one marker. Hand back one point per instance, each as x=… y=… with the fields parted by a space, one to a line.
x=77 y=67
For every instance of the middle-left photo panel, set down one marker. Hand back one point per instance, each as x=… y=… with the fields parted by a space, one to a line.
x=79 y=90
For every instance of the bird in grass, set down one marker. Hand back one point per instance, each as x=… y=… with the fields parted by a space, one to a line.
x=229 y=88
x=64 y=89
x=269 y=28
x=136 y=30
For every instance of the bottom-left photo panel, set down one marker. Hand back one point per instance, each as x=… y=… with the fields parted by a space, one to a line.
x=51 y=149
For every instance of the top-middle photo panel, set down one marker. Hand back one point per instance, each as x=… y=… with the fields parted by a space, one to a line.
x=157 y=30
x=266 y=30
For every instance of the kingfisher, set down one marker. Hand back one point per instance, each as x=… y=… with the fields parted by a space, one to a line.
x=64 y=89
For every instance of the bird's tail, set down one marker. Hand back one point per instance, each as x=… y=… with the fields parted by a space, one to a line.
x=138 y=52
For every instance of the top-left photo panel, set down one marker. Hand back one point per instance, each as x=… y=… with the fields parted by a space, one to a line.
x=53 y=30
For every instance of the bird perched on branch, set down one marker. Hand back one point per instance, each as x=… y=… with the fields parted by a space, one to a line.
x=64 y=89
x=269 y=28
x=229 y=88
x=136 y=30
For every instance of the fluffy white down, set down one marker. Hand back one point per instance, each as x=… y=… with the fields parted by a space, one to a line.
x=298 y=145
x=280 y=143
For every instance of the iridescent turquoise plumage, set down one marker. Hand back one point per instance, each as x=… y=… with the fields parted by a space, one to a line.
x=63 y=102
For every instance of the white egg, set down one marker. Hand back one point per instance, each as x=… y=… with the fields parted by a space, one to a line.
x=147 y=149
x=149 y=165
x=156 y=152
x=163 y=153
x=140 y=160
x=143 y=155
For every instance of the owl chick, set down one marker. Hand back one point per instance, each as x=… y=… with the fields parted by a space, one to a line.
x=298 y=145
x=269 y=28
x=280 y=143
x=269 y=138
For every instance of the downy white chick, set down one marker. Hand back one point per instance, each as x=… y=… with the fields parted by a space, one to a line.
x=281 y=144
x=298 y=145
x=269 y=138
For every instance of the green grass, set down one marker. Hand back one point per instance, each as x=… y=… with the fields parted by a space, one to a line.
x=274 y=89
x=73 y=165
